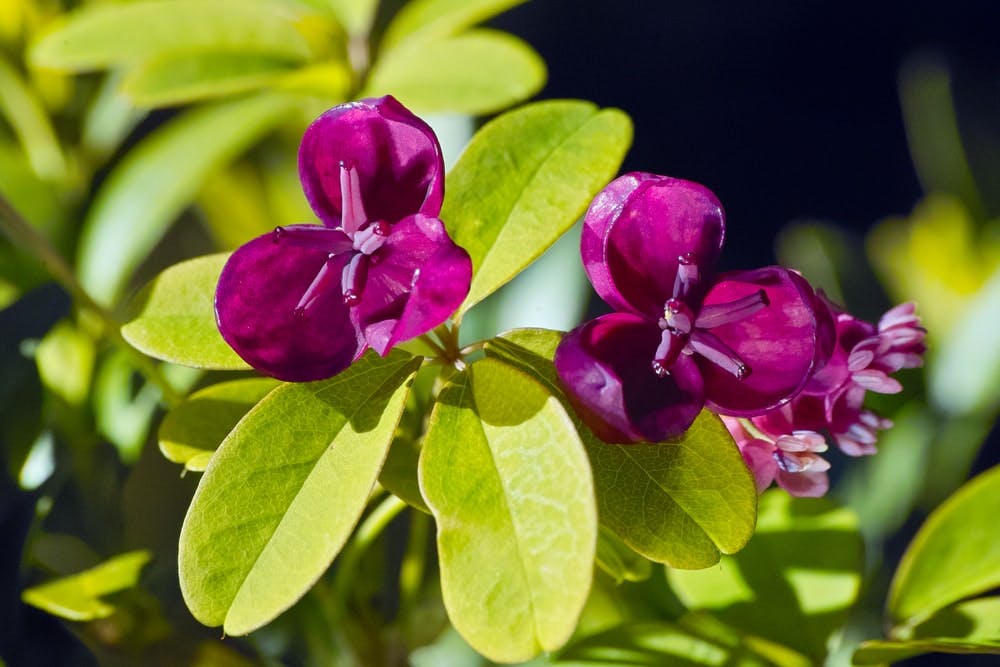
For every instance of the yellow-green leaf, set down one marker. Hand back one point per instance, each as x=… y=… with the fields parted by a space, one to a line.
x=77 y=597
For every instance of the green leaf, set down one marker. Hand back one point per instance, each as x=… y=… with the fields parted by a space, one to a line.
x=27 y=117
x=77 y=597
x=793 y=583
x=179 y=78
x=682 y=502
x=618 y=560
x=145 y=193
x=477 y=72
x=426 y=20
x=192 y=430
x=955 y=554
x=123 y=413
x=284 y=491
x=505 y=476
x=654 y=644
x=524 y=180
x=881 y=652
x=65 y=358
x=173 y=317
x=111 y=34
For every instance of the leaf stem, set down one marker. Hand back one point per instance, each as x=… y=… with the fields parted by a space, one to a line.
x=23 y=234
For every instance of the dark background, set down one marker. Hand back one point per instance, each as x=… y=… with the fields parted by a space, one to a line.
x=785 y=109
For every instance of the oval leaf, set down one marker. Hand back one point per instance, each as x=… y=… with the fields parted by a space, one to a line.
x=424 y=20
x=110 y=34
x=524 y=180
x=793 y=583
x=683 y=502
x=178 y=78
x=284 y=491
x=954 y=555
x=505 y=476
x=77 y=597
x=883 y=652
x=26 y=115
x=478 y=72
x=192 y=430
x=157 y=179
x=173 y=317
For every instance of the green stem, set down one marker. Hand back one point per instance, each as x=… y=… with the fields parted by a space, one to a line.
x=21 y=233
x=366 y=533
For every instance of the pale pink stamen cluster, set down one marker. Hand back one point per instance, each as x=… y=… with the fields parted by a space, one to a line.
x=799 y=452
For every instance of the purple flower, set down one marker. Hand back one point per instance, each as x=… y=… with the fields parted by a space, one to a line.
x=863 y=358
x=304 y=301
x=792 y=460
x=741 y=343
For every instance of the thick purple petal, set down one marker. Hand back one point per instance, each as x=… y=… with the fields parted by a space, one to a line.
x=396 y=155
x=634 y=233
x=605 y=367
x=257 y=307
x=418 y=278
x=780 y=343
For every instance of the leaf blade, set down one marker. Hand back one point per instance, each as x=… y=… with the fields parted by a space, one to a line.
x=313 y=450
x=424 y=20
x=518 y=495
x=524 y=180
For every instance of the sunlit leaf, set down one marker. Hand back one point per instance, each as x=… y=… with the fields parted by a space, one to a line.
x=148 y=189
x=77 y=597
x=477 y=72
x=524 y=180
x=354 y=15
x=619 y=560
x=683 y=502
x=503 y=471
x=284 y=491
x=793 y=583
x=66 y=362
x=426 y=20
x=108 y=34
x=173 y=317
x=954 y=555
x=178 y=78
x=193 y=430
x=881 y=652
x=234 y=205
x=109 y=118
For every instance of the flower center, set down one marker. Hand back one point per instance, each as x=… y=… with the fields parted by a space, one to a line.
x=682 y=332
x=356 y=236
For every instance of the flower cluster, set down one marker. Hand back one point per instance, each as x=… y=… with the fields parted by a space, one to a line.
x=864 y=357
x=776 y=360
x=304 y=301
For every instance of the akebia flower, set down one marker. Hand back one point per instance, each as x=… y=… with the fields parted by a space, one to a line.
x=304 y=301
x=682 y=337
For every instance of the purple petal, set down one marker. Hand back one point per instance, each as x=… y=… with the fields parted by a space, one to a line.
x=606 y=368
x=804 y=484
x=759 y=457
x=418 y=278
x=634 y=233
x=779 y=343
x=398 y=161
x=261 y=312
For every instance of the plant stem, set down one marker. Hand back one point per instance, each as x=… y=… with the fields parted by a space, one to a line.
x=21 y=233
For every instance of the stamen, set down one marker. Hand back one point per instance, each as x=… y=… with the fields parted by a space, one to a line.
x=671 y=344
x=353 y=278
x=718 y=353
x=319 y=284
x=368 y=240
x=687 y=275
x=676 y=316
x=314 y=237
x=352 y=209
x=718 y=314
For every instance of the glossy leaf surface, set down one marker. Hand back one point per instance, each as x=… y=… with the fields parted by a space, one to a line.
x=284 y=491
x=524 y=180
x=505 y=475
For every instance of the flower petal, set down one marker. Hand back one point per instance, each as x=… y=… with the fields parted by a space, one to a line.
x=261 y=313
x=780 y=343
x=606 y=368
x=636 y=229
x=759 y=457
x=803 y=484
x=418 y=278
x=398 y=160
